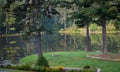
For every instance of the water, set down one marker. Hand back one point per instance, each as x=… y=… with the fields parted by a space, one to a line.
x=77 y=42
x=14 y=47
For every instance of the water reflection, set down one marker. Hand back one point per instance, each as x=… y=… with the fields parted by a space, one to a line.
x=15 y=47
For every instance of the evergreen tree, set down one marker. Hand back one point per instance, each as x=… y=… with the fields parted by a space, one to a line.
x=104 y=11
x=35 y=16
x=83 y=17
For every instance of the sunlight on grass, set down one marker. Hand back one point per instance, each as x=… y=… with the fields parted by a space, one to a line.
x=75 y=59
x=29 y=59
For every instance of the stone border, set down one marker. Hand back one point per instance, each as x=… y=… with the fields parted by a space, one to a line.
x=102 y=58
x=67 y=69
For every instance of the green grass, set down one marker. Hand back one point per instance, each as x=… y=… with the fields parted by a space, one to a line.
x=75 y=59
x=10 y=70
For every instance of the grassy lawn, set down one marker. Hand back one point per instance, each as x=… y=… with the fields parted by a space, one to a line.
x=75 y=59
x=9 y=70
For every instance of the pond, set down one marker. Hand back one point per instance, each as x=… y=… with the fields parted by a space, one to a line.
x=14 y=47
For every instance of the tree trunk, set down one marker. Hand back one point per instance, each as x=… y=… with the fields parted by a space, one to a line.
x=65 y=43
x=88 y=39
x=104 y=49
x=65 y=20
x=47 y=43
x=38 y=43
x=38 y=34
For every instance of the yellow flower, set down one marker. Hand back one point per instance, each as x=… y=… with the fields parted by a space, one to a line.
x=47 y=68
x=60 y=67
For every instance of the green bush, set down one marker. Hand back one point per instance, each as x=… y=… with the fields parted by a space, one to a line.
x=86 y=67
x=23 y=67
x=20 y=67
x=14 y=67
x=26 y=67
x=8 y=66
x=42 y=61
x=39 y=69
x=33 y=67
x=1 y=66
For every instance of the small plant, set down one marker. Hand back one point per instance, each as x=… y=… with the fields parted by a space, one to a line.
x=38 y=68
x=14 y=67
x=86 y=67
x=1 y=66
x=8 y=66
x=33 y=67
x=26 y=67
x=42 y=61
x=23 y=67
x=20 y=67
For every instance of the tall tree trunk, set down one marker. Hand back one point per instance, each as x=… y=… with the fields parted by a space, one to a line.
x=104 y=49
x=88 y=39
x=65 y=43
x=47 y=43
x=7 y=45
x=65 y=20
x=6 y=33
x=38 y=34
x=38 y=43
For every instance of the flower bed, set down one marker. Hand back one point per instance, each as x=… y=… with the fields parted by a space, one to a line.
x=36 y=68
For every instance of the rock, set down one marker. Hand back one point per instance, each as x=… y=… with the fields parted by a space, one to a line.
x=55 y=55
x=99 y=70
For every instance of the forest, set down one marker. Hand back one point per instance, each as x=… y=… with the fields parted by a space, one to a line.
x=47 y=27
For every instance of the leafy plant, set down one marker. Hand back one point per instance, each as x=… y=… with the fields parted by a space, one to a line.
x=86 y=67
x=42 y=61
x=23 y=67
x=8 y=66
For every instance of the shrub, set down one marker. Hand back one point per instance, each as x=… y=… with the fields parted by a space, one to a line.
x=39 y=68
x=23 y=67
x=1 y=66
x=42 y=61
x=33 y=67
x=26 y=67
x=14 y=67
x=20 y=67
x=8 y=66
x=86 y=67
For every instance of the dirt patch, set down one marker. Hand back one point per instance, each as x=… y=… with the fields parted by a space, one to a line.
x=105 y=57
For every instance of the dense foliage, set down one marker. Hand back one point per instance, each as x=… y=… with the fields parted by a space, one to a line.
x=42 y=62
